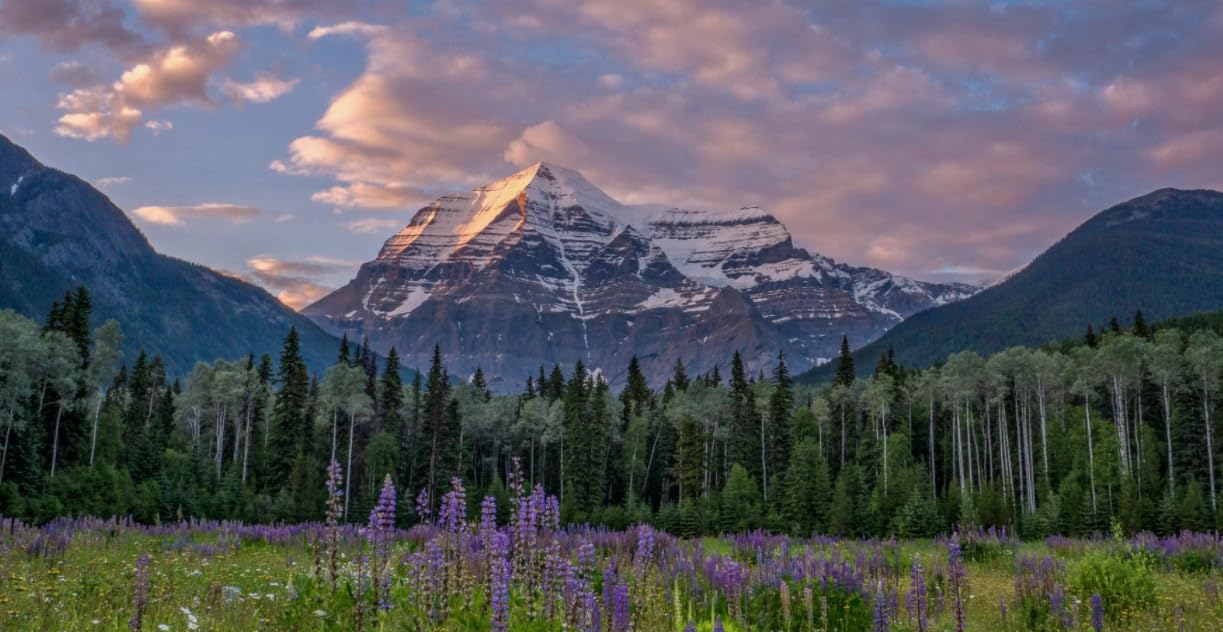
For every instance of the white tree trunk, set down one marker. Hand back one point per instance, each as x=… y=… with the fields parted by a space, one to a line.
x=1091 y=454
x=97 y=412
x=348 y=469
x=1168 y=435
x=55 y=438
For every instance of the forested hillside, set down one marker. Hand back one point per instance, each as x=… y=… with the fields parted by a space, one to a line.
x=1121 y=425
x=1161 y=253
x=58 y=232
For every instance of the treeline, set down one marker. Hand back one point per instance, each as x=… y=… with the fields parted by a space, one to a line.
x=1119 y=428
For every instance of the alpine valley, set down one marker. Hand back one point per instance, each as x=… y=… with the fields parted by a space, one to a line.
x=544 y=268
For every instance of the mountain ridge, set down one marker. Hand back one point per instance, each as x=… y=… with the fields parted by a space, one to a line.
x=1161 y=253
x=59 y=232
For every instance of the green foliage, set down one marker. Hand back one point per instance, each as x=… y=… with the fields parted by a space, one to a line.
x=1124 y=580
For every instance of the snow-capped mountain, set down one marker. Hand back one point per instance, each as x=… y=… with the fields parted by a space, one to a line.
x=542 y=267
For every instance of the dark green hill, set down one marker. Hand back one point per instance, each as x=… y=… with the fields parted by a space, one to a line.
x=1161 y=253
x=58 y=232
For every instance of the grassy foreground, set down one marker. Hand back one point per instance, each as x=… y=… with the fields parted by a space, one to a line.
x=459 y=574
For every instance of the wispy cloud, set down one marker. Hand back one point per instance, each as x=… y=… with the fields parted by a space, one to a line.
x=110 y=181
x=297 y=283
x=263 y=89
x=179 y=215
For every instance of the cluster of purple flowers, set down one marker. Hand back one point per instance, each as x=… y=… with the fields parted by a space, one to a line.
x=957 y=577
x=500 y=576
x=380 y=533
x=140 y=593
x=452 y=517
x=915 y=602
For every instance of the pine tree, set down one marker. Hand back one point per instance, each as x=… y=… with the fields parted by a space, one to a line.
x=438 y=449
x=636 y=393
x=1140 y=326
x=688 y=463
x=289 y=420
x=845 y=365
x=745 y=420
x=575 y=467
x=76 y=322
x=409 y=437
x=390 y=396
x=679 y=377
x=344 y=354
x=541 y=385
x=556 y=384
x=481 y=384
x=1091 y=338
x=808 y=488
x=780 y=433
x=1114 y=326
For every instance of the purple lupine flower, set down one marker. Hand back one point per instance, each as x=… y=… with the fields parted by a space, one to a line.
x=957 y=575
x=1057 y=607
x=335 y=509
x=424 y=506
x=645 y=548
x=488 y=519
x=586 y=557
x=453 y=514
x=382 y=517
x=916 y=600
x=620 y=607
x=140 y=592
x=335 y=493
x=609 y=585
x=381 y=526
x=717 y=625
x=691 y=627
x=499 y=597
x=1097 y=613
x=881 y=611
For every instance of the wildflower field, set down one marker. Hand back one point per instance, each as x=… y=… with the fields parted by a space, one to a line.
x=459 y=571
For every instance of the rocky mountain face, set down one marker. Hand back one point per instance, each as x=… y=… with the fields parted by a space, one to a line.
x=542 y=267
x=57 y=232
x=1161 y=253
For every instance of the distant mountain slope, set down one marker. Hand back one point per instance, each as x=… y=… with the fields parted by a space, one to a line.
x=1161 y=253
x=542 y=267
x=58 y=232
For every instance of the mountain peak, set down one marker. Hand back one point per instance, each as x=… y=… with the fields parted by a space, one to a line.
x=15 y=161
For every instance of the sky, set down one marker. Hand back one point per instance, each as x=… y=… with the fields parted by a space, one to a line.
x=284 y=140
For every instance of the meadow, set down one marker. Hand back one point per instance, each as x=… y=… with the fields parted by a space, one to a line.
x=465 y=570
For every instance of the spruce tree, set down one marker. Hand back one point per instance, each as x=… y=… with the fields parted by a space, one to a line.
x=1140 y=326
x=390 y=396
x=845 y=365
x=679 y=377
x=689 y=459
x=780 y=434
x=745 y=420
x=636 y=393
x=438 y=447
x=576 y=441
x=344 y=354
x=289 y=420
x=481 y=383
